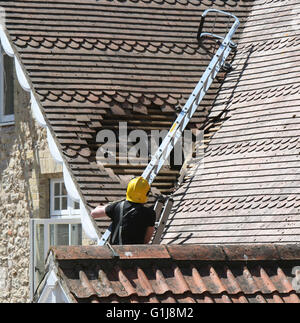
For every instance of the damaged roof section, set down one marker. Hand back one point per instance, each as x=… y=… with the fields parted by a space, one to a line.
x=93 y=64
x=178 y=274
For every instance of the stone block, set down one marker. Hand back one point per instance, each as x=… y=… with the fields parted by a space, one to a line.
x=3 y=277
x=49 y=166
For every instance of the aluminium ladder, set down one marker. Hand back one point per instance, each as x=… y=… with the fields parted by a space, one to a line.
x=167 y=145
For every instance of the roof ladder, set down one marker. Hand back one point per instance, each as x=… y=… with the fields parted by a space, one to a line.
x=163 y=210
x=167 y=145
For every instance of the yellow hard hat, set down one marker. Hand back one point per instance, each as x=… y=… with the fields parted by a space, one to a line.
x=137 y=190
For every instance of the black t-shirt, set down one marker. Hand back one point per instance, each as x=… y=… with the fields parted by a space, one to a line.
x=134 y=224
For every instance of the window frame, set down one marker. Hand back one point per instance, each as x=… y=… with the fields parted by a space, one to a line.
x=10 y=118
x=70 y=212
x=47 y=239
x=69 y=216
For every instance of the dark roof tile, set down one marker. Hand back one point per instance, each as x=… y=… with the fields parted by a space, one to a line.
x=92 y=67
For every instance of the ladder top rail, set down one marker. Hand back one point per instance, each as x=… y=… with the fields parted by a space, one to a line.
x=221 y=12
x=188 y=110
x=230 y=33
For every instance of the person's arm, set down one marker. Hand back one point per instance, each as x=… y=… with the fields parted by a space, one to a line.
x=99 y=212
x=149 y=234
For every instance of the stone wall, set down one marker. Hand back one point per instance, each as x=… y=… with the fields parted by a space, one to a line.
x=26 y=167
x=17 y=145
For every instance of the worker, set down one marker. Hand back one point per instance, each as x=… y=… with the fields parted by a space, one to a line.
x=132 y=222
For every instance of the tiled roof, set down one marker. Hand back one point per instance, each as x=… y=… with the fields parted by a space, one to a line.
x=248 y=190
x=95 y=63
x=178 y=273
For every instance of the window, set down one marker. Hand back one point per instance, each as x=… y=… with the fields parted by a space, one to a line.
x=62 y=209
x=60 y=203
x=7 y=87
x=45 y=233
x=63 y=227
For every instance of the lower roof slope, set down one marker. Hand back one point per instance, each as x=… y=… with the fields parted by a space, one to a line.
x=177 y=274
x=248 y=190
